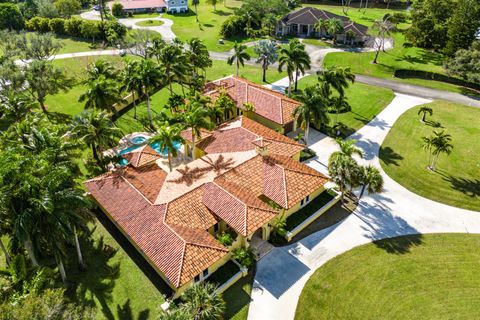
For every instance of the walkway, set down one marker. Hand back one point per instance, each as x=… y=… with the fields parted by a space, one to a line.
x=282 y=274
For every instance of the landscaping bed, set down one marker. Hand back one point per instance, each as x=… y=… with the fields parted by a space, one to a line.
x=224 y=273
x=298 y=217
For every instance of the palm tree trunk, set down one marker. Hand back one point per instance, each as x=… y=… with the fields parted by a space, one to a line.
x=296 y=79
x=79 y=250
x=30 y=252
x=361 y=192
x=307 y=131
x=366 y=6
x=42 y=105
x=342 y=198
x=95 y=154
x=61 y=268
x=434 y=162
x=289 y=85
x=376 y=55
x=264 y=72
x=5 y=252
x=238 y=66
x=169 y=160
x=193 y=145
x=196 y=13
x=134 y=106
x=149 y=111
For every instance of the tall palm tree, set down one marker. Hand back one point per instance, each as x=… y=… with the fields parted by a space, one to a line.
x=338 y=104
x=174 y=65
x=225 y=103
x=339 y=78
x=371 y=180
x=343 y=171
x=321 y=25
x=196 y=119
x=267 y=54
x=132 y=82
x=384 y=28
x=96 y=130
x=437 y=144
x=101 y=94
x=166 y=137
x=239 y=55
x=335 y=26
x=295 y=59
x=198 y=56
x=348 y=148
x=195 y=4
x=424 y=110
x=312 y=110
x=152 y=78
x=99 y=68
x=203 y=302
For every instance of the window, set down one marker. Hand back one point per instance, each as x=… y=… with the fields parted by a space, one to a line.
x=205 y=273
x=196 y=279
x=301 y=202
x=216 y=227
x=308 y=198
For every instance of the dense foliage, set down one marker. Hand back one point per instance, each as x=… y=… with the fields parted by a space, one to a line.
x=10 y=17
x=466 y=63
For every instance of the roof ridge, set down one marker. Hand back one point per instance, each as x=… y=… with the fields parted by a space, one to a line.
x=131 y=185
x=182 y=259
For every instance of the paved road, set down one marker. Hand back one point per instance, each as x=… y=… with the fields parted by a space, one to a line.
x=282 y=274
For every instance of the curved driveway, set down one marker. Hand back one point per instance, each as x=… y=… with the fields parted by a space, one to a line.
x=282 y=274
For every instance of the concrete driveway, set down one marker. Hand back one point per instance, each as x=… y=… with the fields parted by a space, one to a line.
x=282 y=274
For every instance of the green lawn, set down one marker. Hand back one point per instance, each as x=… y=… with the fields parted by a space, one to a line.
x=149 y=23
x=145 y=15
x=185 y=25
x=366 y=101
x=416 y=277
x=457 y=179
x=237 y=298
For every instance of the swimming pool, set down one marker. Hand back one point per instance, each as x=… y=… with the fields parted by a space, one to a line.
x=155 y=146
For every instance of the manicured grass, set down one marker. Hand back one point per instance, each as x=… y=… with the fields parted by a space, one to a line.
x=317 y=42
x=185 y=25
x=366 y=102
x=415 y=277
x=149 y=23
x=237 y=298
x=70 y=45
x=114 y=284
x=146 y=15
x=457 y=179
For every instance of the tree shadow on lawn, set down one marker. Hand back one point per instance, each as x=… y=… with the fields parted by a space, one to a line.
x=389 y=156
x=99 y=279
x=381 y=224
x=469 y=187
x=222 y=13
x=125 y=312
x=471 y=93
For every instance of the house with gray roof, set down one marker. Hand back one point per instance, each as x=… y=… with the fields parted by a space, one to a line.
x=302 y=23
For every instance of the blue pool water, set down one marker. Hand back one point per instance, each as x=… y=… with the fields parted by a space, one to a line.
x=155 y=146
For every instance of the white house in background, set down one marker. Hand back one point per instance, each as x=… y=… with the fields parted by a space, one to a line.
x=138 y=6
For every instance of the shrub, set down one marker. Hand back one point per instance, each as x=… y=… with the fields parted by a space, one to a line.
x=38 y=24
x=279 y=230
x=90 y=30
x=233 y=25
x=10 y=17
x=117 y=9
x=73 y=27
x=57 y=25
x=244 y=256
x=225 y=238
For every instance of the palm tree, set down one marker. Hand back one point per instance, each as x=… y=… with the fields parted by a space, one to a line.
x=213 y=3
x=196 y=119
x=225 y=103
x=101 y=94
x=322 y=24
x=339 y=104
x=203 y=302
x=239 y=55
x=424 y=110
x=437 y=144
x=335 y=26
x=343 y=171
x=132 y=82
x=152 y=78
x=384 y=28
x=312 y=110
x=198 y=55
x=267 y=54
x=295 y=59
x=101 y=68
x=166 y=137
x=96 y=130
x=174 y=65
x=14 y=107
x=348 y=148
x=371 y=180
x=338 y=78
x=195 y=4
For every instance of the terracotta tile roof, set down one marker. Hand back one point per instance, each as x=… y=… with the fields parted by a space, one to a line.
x=187 y=135
x=189 y=211
x=141 y=156
x=237 y=207
x=239 y=134
x=148 y=179
x=268 y=103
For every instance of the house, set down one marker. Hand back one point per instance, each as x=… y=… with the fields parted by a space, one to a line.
x=302 y=23
x=139 y=6
x=173 y=218
x=268 y=107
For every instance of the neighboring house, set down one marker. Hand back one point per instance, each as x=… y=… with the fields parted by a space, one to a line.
x=270 y=107
x=302 y=23
x=172 y=218
x=138 y=6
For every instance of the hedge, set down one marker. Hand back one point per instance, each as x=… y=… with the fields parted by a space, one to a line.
x=109 y=31
x=406 y=73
